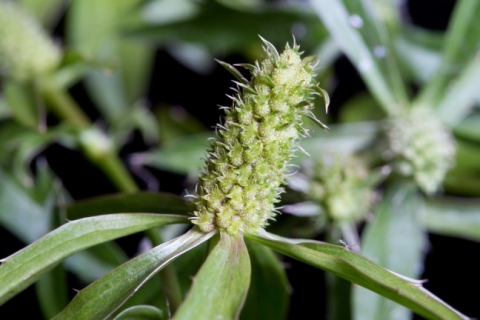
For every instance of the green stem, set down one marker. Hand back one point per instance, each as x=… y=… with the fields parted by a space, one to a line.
x=63 y=105
x=67 y=109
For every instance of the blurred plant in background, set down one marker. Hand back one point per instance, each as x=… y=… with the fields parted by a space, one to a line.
x=400 y=160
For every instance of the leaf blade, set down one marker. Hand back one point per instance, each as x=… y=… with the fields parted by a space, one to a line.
x=25 y=267
x=355 y=268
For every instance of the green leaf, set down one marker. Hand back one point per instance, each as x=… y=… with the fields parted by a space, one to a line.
x=455 y=217
x=24 y=267
x=269 y=292
x=142 y=313
x=52 y=291
x=93 y=28
x=20 y=213
x=20 y=99
x=460 y=45
x=101 y=298
x=469 y=128
x=223 y=29
x=343 y=138
x=128 y=202
x=220 y=287
x=461 y=95
x=357 y=269
x=185 y=155
x=343 y=28
x=176 y=124
x=46 y=11
x=398 y=224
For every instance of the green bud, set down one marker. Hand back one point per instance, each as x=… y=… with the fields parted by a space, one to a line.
x=25 y=49
x=421 y=148
x=247 y=163
x=339 y=185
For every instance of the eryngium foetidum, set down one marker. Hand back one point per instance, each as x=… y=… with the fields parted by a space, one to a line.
x=248 y=160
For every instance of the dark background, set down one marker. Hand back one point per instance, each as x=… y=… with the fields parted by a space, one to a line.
x=451 y=268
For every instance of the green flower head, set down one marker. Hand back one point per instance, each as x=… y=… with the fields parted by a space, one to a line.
x=339 y=183
x=421 y=148
x=25 y=49
x=248 y=161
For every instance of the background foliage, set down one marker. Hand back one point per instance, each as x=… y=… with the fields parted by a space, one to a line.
x=144 y=77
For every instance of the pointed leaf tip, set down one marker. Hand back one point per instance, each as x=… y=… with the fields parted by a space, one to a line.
x=237 y=74
x=270 y=48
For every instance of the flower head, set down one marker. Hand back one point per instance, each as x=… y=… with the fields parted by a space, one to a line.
x=421 y=148
x=25 y=49
x=247 y=163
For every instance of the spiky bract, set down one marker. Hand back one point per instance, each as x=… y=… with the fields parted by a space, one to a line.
x=248 y=161
x=25 y=49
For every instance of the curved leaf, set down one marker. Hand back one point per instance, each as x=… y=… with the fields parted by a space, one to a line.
x=25 y=267
x=269 y=292
x=101 y=298
x=141 y=313
x=129 y=202
x=221 y=285
x=454 y=217
x=397 y=222
x=357 y=269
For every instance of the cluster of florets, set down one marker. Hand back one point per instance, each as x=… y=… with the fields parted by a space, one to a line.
x=340 y=185
x=421 y=148
x=25 y=49
x=248 y=161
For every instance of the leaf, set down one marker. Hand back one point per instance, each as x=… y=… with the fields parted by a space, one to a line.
x=24 y=267
x=343 y=138
x=343 y=27
x=220 y=287
x=93 y=29
x=20 y=214
x=398 y=224
x=20 y=100
x=269 y=292
x=184 y=156
x=469 y=128
x=223 y=29
x=52 y=291
x=346 y=264
x=128 y=202
x=460 y=45
x=45 y=11
x=142 y=313
x=101 y=298
x=457 y=217
x=460 y=96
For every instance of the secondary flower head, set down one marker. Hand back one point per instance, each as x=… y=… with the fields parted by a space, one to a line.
x=248 y=161
x=25 y=49
x=340 y=185
x=421 y=148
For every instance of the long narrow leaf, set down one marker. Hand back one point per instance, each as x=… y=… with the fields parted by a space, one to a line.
x=398 y=223
x=220 y=287
x=101 y=298
x=25 y=267
x=357 y=269
x=269 y=291
x=130 y=202
x=454 y=217
x=342 y=27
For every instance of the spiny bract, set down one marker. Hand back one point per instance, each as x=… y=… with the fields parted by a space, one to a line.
x=248 y=160
x=25 y=49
